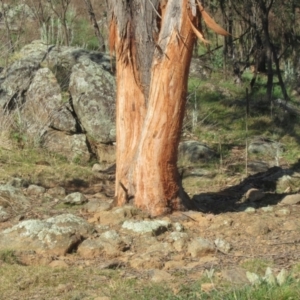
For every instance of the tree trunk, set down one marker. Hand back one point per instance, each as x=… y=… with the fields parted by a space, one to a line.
x=153 y=41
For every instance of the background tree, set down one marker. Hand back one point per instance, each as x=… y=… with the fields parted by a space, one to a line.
x=153 y=42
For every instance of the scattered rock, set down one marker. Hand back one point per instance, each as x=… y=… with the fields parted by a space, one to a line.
x=199 y=247
x=116 y=216
x=109 y=244
x=222 y=245
x=57 y=235
x=156 y=227
x=267 y=209
x=11 y=197
x=95 y=206
x=290 y=200
x=250 y=210
x=75 y=199
x=194 y=151
x=35 y=190
x=265 y=146
x=254 y=195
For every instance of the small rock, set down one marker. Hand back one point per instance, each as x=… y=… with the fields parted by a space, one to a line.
x=75 y=199
x=35 y=190
x=290 y=200
x=267 y=209
x=156 y=227
x=95 y=205
x=200 y=247
x=254 y=195
x=97 y=168
x=178 y=227
x=250 y=210
x=116 y=216
x=222 y=245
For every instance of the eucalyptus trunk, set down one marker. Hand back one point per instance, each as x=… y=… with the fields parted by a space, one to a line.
x=153 y=43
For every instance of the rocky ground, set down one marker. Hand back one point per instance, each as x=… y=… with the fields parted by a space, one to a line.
x=241 y=230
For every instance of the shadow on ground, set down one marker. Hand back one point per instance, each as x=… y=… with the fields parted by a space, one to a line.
x=230 y=199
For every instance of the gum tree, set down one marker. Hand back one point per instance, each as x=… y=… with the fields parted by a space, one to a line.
x=153 y=43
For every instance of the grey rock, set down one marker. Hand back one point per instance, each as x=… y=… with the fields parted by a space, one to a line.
x=95 y=205
x=265 y=145
x=13 y=197
x=35 y=190
x=156 y=227
x=267 y=209
x=62 y=118
x=109 y=244
x=16 y=81
x=57 y=235
x=73 y=147
x=250 y=210
x=290 y=200
x=117 y=215
x=75 y=199
x=179 y=240
x=199 y=247
x=222 y=245
x=194 y=151
x=43 y=97
x=93 y=94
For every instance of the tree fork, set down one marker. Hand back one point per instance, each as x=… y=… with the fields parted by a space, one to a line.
x=153 y=41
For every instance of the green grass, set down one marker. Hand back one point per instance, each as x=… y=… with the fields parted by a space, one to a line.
x=89 y=282
x=221 y=115
x=40 y=166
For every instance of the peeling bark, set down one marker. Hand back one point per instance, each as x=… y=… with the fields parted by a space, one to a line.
x=153 y=42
